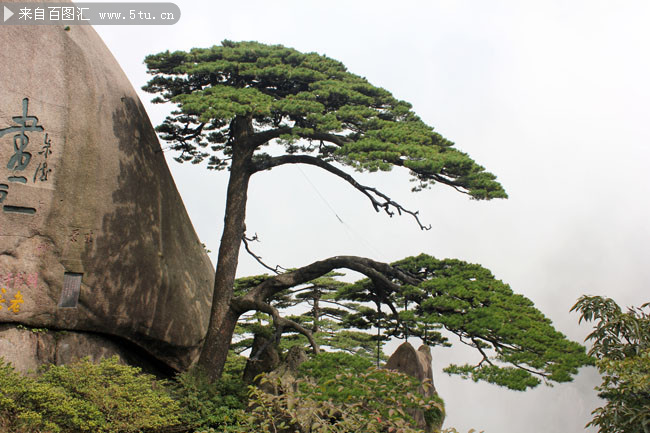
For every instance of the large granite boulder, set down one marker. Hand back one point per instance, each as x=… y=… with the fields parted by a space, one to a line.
x=94 y=236
x=29 y=348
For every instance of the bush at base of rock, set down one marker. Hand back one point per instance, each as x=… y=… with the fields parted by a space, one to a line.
x=110 y=397
x=107 y=397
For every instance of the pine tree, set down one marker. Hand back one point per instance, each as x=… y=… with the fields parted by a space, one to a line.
x=236 y=99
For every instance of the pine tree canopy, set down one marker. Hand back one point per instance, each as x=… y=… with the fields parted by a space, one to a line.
x=518 y=345
x=310 y=104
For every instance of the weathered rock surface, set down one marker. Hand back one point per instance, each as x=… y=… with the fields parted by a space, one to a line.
x=86 y=198
x=416 y=364
x=27 y=349
x=294 y=358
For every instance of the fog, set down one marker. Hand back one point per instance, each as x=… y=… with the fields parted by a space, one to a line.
x=552 y=97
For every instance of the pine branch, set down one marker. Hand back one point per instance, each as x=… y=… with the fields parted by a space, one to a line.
x=378 y=199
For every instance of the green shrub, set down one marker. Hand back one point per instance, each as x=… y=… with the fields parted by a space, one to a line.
x=340 y=393
x=113 y=398
x=213 y=405
x=205 y=405
x=28 y=404
x=345 y=378
x=107 y=397
x=130 y=400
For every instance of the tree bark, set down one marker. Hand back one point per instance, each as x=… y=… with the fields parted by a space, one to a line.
x=222 y=319
x=316 y=327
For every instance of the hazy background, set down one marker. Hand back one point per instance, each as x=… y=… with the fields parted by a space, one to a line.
x=550 y=96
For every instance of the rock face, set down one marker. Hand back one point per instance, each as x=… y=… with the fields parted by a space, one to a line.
x=28 y=349
x=416 y=364
x=94 y=236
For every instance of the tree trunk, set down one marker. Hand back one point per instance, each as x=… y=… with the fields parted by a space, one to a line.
x=316 y=327
x=222 y=319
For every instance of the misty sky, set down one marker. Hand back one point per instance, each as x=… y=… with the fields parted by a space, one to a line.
x=552 y=97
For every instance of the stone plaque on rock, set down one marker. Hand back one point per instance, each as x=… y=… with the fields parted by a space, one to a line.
x=70 y=291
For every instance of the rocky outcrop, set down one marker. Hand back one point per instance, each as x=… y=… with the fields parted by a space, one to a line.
x=29 y=348
x=416 y=364
x=94 y=236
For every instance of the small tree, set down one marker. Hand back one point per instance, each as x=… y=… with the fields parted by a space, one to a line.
x=621 y=344
x=235 y=99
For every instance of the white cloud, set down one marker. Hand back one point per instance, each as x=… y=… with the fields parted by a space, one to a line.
x=550 y=96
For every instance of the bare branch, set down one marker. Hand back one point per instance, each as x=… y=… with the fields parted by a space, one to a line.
x=378 y=199
x=264 y=137
x=475 y=344
x=255 y=238
x=188 y=133
x=398 y=321
x=335 y=303
x=386 y=281
x=379 y=273
x=544 y=375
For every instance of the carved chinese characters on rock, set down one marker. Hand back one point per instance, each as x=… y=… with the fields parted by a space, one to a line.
x=81 y=236
x=29 y=163
x=42 y=171
x=80 y=241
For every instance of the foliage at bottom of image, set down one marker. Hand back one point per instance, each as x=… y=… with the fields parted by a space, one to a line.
x=333 y=392
x=84 y=397
x=337 y=392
